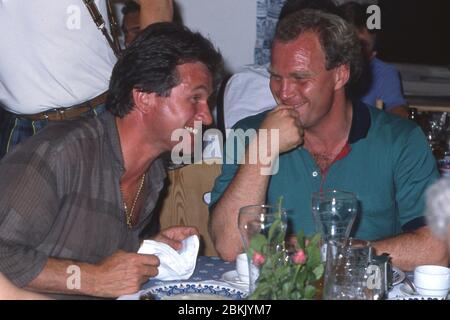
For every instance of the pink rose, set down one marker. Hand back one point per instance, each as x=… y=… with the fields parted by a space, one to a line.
x=258 y=259
x=299 y=257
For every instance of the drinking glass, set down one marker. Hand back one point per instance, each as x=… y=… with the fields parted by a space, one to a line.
x=334 y=213
x=348 y=272
x=255 y=221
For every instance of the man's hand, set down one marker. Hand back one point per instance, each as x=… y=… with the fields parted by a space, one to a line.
x=286 y=119
x=174 y=235
x=123 y=273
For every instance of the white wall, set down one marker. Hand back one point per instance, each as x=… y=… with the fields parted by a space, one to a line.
x=230 y=25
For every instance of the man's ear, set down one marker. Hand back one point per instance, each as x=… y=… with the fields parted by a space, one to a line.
x=143 y=101
x=342 y=75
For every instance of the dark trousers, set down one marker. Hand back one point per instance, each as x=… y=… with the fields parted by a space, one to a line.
x=15 y=129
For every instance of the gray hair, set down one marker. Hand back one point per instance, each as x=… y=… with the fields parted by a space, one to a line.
x=337 y=38
x=437 y=208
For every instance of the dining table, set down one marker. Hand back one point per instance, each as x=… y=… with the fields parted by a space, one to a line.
x=211 y=270
x=207 y=268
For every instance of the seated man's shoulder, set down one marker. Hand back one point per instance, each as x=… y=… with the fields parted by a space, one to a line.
x=250 y=76
x=255 y=70
x=247 y=93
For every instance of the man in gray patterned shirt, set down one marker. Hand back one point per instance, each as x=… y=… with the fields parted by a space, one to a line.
x=78 y=194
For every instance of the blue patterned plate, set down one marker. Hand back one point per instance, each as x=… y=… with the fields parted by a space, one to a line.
x=192 y=291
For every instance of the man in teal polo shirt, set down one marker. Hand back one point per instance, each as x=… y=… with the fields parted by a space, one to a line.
x=327 y=141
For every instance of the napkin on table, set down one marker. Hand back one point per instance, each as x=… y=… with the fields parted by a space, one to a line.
x=174 y=265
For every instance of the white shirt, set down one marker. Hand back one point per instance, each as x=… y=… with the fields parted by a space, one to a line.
x=52 y=55
x=247 y=93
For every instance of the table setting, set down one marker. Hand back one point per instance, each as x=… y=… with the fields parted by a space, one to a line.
x=329 y=265
x=215 y=278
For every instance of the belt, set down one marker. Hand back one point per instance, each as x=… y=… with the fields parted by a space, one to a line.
x=70 y=113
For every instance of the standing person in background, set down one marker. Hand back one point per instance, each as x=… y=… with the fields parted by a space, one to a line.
x=55 y=64
x=380 y=81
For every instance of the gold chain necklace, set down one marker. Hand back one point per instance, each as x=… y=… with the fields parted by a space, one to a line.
x=129 y=215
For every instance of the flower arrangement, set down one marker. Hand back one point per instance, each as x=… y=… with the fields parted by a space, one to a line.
x=283 y=274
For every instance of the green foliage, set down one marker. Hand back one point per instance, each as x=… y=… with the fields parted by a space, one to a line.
x=283 y=275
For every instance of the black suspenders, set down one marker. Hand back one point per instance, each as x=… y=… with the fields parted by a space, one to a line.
x=101 y=25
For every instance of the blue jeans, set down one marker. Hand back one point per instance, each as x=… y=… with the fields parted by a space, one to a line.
x=15 y=129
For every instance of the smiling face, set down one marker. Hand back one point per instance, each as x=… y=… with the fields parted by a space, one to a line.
x=187 y=103
x=299 y=78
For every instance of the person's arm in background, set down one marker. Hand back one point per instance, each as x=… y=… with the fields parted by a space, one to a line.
x=153 y=11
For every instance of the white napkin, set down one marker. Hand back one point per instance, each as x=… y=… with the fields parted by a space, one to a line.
x=174 y=265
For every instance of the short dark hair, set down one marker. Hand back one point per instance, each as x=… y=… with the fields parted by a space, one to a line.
x=355 y=13
x=338 y=39
x=150 y=63
x=291 y=6
x=130 y=7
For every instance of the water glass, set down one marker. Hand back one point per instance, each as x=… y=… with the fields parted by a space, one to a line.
x=255 y=221
x=334 y=213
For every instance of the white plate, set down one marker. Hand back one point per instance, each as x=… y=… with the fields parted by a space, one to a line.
x=397 y=276
x=192 y=291
x=232 y=278
x=410 y=295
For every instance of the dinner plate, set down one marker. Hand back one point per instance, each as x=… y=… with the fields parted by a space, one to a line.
x=193 y=291
x=397 y=276
x=232 y=278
